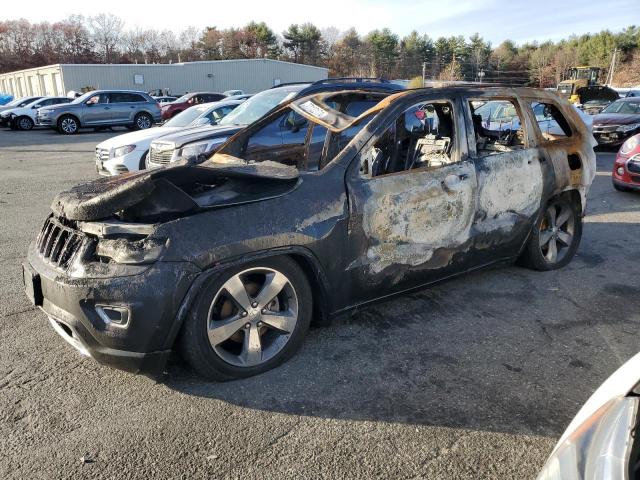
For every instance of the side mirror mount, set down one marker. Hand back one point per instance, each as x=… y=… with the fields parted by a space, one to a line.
x=36 y=106
x=203 y=121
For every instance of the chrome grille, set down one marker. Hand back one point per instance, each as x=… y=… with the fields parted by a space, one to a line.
x=102 y=154
x=605 y=128
x=58 y=243
x=160 y=157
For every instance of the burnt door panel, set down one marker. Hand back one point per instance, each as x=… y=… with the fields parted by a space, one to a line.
x=510 y=191
x=409 y=228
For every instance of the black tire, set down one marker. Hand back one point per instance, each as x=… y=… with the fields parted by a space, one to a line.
x=143 y=161
x=620 y=188
x=194 y=340
x=24 y=123
x=68 y=125
x=142 y=121
x=535 y=256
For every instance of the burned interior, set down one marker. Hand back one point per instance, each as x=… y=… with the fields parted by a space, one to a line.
x=331 y=201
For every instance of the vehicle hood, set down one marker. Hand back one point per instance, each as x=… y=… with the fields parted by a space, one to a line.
x=133 y=138
x=616 y=119
x=167 y=193
x=9 y=111
x=170 y=105
x=201 y=133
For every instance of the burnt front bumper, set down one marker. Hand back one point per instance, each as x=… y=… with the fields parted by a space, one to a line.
x=121 y=321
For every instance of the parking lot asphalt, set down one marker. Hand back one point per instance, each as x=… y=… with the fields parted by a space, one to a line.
x=474 y=378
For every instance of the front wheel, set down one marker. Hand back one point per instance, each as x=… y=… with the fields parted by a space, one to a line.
x=555 y=237
x=248 y=320
x=24 y=123
x=68 y=125
x=142 y=121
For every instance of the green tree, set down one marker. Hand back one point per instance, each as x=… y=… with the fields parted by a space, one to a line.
x=381 y=46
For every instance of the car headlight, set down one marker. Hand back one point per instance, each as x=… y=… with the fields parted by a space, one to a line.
x=598 y=448
x=118 y=152
x=630 y=144
x=127 y=251
x=198 y=152
x=628 y=128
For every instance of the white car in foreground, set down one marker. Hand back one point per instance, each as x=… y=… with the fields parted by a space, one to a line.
x=128 y=152
x=603 y=440
x=24 y=117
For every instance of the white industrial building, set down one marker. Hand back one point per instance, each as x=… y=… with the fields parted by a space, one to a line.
x=251 y=75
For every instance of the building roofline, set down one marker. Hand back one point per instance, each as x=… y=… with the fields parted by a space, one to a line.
x=184 y=63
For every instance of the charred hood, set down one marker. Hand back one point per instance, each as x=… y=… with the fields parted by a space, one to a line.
x=167 y=193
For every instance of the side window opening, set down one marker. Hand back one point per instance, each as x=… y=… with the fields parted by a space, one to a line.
x=497 y=126
x=421 y=137
x=551 y=122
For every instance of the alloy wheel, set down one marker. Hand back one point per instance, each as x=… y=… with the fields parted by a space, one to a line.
x=557 y=232
x=143 y=122
x=25 y=124
x=69 y=125
x=252 y=317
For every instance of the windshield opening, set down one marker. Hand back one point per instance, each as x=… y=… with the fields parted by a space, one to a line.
x=187 y=117
x=306 y=135
x=258 y=105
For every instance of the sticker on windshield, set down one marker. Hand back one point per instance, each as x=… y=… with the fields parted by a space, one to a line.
x=312 y=109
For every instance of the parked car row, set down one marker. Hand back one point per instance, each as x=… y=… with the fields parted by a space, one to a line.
x=128 y=152
x=98 y=109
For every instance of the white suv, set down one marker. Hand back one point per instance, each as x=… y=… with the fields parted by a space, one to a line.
x=24 y=118
x=128 y=152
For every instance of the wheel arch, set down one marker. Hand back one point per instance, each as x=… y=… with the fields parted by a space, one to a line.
x=303 y=258
x=75 y=117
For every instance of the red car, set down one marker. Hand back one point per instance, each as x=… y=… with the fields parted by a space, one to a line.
x=169 y=110
x=626 y=169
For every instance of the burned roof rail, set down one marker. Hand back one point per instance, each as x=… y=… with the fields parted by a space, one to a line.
x=351 y=79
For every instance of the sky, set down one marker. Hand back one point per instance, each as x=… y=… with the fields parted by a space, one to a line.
x=495 y=20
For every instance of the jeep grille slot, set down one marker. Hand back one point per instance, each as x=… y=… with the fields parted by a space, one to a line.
x=58 y=243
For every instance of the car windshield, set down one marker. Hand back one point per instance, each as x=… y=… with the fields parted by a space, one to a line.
x=187 y=117
x=623 y=107
x=183 y=98
x=255 y=107
x=83 y=97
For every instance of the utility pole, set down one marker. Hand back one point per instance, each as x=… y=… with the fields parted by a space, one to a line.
x=612 y=67
x=424 y=72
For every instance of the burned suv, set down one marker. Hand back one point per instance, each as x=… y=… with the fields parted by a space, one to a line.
x=374 y=195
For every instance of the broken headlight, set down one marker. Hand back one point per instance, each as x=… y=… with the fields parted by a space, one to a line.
x=198 y=152
x=598 y=448
x=126 y=251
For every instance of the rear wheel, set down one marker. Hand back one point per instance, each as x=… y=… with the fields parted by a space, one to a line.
x=68 y=125
x=248 y=320
x=143 y=121
x=24 y=123
x=555 y=237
